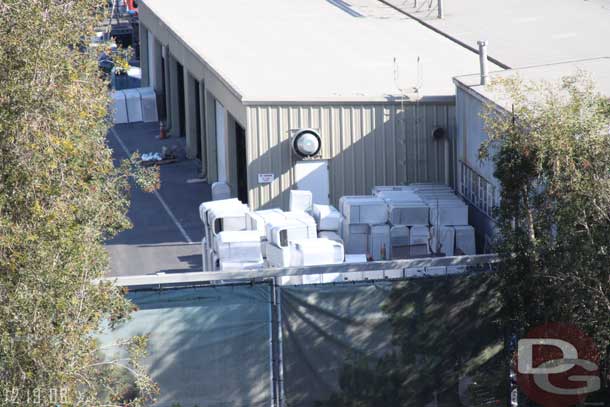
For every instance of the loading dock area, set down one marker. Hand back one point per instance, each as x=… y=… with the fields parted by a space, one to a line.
x=373 y=83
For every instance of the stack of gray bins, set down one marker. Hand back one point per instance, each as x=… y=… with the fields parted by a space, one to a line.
x=217 y=217
x=430 y=217
x=328 y=219
x=364 y=226
x=408 y=216
x=450 y=232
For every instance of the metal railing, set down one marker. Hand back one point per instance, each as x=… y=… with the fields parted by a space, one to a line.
x=477 y=190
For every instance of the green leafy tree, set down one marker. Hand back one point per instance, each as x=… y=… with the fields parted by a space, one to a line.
x=60 y=198
x=552 y=158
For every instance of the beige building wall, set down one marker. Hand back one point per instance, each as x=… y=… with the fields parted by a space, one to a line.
x=366 y=145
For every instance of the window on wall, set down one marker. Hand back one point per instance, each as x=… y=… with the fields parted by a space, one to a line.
x=481 y=193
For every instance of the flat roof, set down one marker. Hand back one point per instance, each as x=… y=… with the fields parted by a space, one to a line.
x=313 y=50
x=522 y=32
x=598 y=69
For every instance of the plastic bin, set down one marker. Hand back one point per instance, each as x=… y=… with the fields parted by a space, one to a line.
x=119 y=108
x=277 y=256
x=149 y=105
x=327 y=234
x=134 y=105
x=314 y=252
x=227 y=265
x=327 y=217
x=238 y=246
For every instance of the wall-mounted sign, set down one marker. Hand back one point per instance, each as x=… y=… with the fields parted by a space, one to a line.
x=265 y=178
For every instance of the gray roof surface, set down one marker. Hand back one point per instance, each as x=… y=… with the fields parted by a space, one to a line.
x=299 y=50
x=523 y=32
x=598 y=69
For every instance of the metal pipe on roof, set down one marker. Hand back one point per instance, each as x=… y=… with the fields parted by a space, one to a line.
x=440 y=8
x=483 y=61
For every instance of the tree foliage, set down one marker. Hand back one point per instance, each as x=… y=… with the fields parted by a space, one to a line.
x=552 y=159
x=60 y=198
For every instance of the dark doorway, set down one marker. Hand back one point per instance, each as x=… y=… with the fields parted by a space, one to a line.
x=161 y=104
x=182 y=113
x=242 y=170
x=198 y=119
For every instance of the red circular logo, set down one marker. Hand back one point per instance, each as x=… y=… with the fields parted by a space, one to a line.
x=557 y=365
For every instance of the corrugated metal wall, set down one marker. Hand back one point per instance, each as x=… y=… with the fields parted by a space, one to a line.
x=366 y=145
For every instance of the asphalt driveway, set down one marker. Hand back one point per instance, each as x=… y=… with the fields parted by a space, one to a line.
x=166 y=234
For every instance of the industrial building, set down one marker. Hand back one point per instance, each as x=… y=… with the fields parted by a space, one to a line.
x=476 y=181
x=239 y=79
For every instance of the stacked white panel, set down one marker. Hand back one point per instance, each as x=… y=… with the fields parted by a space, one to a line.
x=443 y=240
x=419 y=238
x=355 y=238
x=465 y=240
x=400 y=242
x=379 y=242
x=369 y=210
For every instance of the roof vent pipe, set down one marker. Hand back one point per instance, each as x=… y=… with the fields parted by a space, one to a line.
x=440 y=8
x=483 y=61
